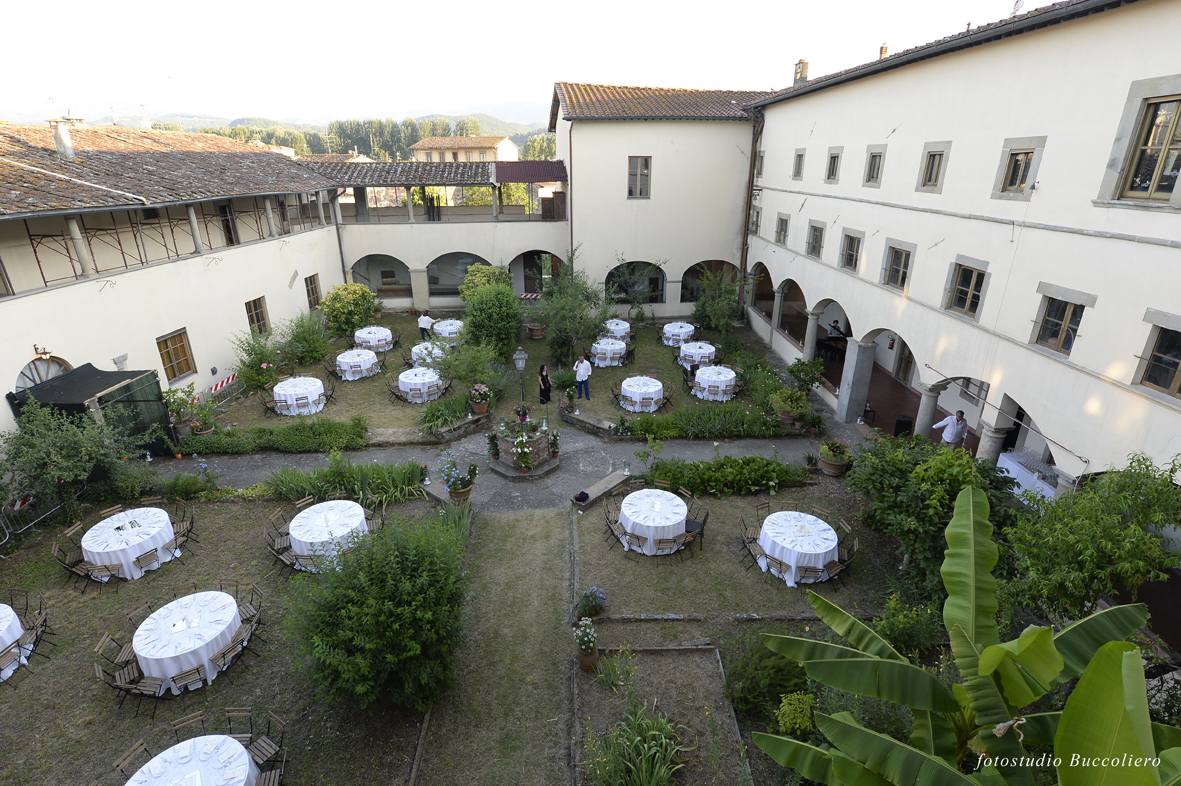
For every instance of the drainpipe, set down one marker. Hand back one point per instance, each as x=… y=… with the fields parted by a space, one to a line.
x=756 y=133
x=85 y=261
x=198 y=246
x=570 y=183
x=336 y=220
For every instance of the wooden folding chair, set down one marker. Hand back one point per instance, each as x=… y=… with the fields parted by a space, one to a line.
x=665 y=547
x=187 y=588
x=754 y=551
x=124 y=761
x=265 y=748
x=685 y=541
x=143 y=607
x=303 y=401
x=111 y=511
x=808 y=575
x=273 y=776
x=225 y=656
x=845 y=526
x=11 y=658
x=279 y=521
x=147 y=558
x=71 y=532
x=303 y=503
x=243 y=715
x=662 y=484
x=762 y=510
x=637 y=542
x=253 y=606
x=619 y=534
x=189 y=679
x=821 y=513
x=188 y=720
x=776 y=564
x=835 y=570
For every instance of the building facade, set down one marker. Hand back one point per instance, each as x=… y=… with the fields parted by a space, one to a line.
x=465 y=149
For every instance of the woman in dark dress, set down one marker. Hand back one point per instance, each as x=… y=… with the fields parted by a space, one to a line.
x=543 y=382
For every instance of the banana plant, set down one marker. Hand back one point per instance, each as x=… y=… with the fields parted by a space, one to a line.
x=1102 y=736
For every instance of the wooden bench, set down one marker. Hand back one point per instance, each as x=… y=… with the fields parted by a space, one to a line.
x=600 y=489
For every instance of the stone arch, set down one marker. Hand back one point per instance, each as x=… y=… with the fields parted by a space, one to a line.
x=793 y=310
x=691 y=278
x=655 y=284
x=445 y=272
x=530 y=269
x=762 y=296
x=386 y=275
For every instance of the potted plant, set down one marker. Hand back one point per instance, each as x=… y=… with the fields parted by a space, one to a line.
x=479 y=397
x=202 y=414
x=834 y=457
x=493 y=446
x=458 y=483
x=536 y=331
x=522 y=411
x=523 y=454
x=174 y=447
x=591 y=602
x=788 y=402
x=553 y=443
x=811 y=462
x=180 y=402
x=814 y=422
x=588 y=653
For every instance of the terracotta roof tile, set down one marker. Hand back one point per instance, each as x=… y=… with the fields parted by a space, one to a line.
x=458 y=142
x=531 y=172
x=615 y=102
x=331 y=158
x=405 y=173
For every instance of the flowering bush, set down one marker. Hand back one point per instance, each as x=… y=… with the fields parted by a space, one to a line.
x=553 y=440
x=522 y=410
x=522 y=452
x=836 y=450
x=453 y=478
x=479 y=394
x=585 y=637
x=592 y=602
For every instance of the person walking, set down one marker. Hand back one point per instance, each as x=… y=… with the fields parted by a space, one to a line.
x=544 y=383
x=582 y=372
x=955 y=429
x=425 y=323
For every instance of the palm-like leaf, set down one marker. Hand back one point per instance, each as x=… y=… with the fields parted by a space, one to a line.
x=896 y=762
x=934 y=735
x=802 y=650
x=1079 y=642
x=890 y=680
x=1170 y=766
x=1026 y=666
x=852 y=629
x=818 y=764
x=970 y=556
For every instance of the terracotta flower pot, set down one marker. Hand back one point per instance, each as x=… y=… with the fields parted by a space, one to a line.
x=814 y=469
x=833 y=469
x=203 y=433
x=588 y=662
x=180 y=455
x=479 y=407
x=536 y=332
x=554 y=453
x=524 y=470
x=459 y=495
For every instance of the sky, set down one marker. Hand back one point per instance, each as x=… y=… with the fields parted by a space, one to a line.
x=312 y=62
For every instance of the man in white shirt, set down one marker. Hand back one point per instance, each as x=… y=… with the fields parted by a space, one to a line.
x=424 y=325
x=582 y=372
x=834 y=330
x=955 y=428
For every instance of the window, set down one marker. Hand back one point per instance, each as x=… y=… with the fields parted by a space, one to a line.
x=932 y=169
x=455 y=155
x=851 y=252
x=1156 y=159
x=756 y=214
x=638 y=173
x=899 y=267
x=973 y=390
x=815 y=241
x=175 y=355
x=781 y=230
x=1017 y=171
x=311 y=285
x=256 y=315
x=832 y=172
x=483 y=156
x=965 y=296
x=797 y=168
x=1161 y=371
x=873 y=169
x=469 y=155
x=759 y=165
x=1059 y=326
x=430 y=156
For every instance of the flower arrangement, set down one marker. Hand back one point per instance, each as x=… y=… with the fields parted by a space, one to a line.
x=553 y=441
x=453 y=478
x=836 y=450
x=522 y=411
x=591 y=602
x=493 y=445
x=585 y=637
x=522 y=452
x=479 y=394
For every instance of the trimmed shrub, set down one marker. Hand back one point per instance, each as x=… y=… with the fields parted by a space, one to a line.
x=348 y=308
x=304 y=339
x=494 y=318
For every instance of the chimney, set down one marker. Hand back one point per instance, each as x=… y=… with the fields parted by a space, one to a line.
x=882 y=52
x=61 y=139
x=801 y=74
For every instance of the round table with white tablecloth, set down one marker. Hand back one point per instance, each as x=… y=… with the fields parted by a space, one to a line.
x=415 y=382
x=10 y=632
x=618 y=328
x=365 y=361
x=676 y=333
x=653 y=514
x=718 y=382
x=299 y=396
x=119 y=539
x=635 y=389
x=612 y=348
x=374 y=337
x=209 y=760
x=318 y=529
x=448 y=329
x=425 y=351
x=799 y=540
x=185 y=634
x=695 y=352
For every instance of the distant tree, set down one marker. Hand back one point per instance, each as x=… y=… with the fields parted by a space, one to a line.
x=316 y=142
x=541 y=147
x=166 y=127
x=438 y=126
x=411 y=134
x=512 y=194
x=467 y=126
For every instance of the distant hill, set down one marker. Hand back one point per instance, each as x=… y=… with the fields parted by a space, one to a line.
x=187 y=122
x=262 y=122
x=489 y=125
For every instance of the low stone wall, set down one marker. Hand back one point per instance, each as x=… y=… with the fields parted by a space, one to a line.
x=591 y=425
x=464 y=428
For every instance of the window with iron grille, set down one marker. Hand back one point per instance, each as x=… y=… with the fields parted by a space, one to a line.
x=873 y=169
x=932 y=169
x=1156 y=162
x=965 y=294
x=256 y=315
x=781 y=230
x=1059 y=326
x=851 y=252
x=311 y=285
x=175 y=355
x=756 y=215
x=899 y=268
x=639 y=170
x=1163 y=370
x=797 y=168
x=1017 y=171
x=815 y=241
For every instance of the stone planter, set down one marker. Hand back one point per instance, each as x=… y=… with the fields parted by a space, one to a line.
x=460 y=495
x=538 y=450
x=832 y=468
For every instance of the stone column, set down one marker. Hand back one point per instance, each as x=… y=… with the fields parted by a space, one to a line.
x=1065 y=482
x=420 y=289
x=496 y=203
x=409 y=203
x=855 y=380
x=195 y=228
x=81 y=249
x=320 y=196
x=928 y=406
x=361 y=201
x=991 y=439
x=810 y=335
x=776 y=312
x=337 y=218
x=266 y=203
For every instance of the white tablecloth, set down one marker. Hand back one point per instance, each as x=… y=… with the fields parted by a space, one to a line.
x=694 y=352
x=317 y=530
x=212 y=620
x=718 y=376
x=415 y=381
x=449 y=329
x=200 y=761
x=614 y=349
x=617 y=328
x=287 y=391
x=634 y=389
x=1026 y=480
x=652 y=513
x=374 y=337
x=675 y=333
x=104 y=544
x=10 y=632
x=797 y=539
x=365 y=358
x=424 y=351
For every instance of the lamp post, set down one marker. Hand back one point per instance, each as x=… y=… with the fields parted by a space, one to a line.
x=519 y=358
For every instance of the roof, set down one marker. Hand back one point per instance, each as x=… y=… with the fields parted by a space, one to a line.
x=74 y=387
x=404 y=173
x=580 y=101
x=457 y=142
x=1034 y=20
x=328 y=158
x=131 y=167
x=531 y=172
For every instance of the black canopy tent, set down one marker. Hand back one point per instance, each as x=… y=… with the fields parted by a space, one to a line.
x=87 y=389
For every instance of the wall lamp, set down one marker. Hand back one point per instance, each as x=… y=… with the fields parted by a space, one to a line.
x=44 y=354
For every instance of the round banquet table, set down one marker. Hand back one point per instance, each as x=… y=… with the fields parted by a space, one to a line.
x=634 y=389
x=695 y=352
x=448 y=329
x=318 y=529
x=797 y=539
x=365 y=358
x=617 y=328
x=287 y=391
x=653 y=514
x=675 y=333
x=211 y=760
x=185 y=634
x=10 y=632
x=425 y=351
x=718 y=382
x=415 y=381
x=119 y=539
x=374 y=337
x=613 y=348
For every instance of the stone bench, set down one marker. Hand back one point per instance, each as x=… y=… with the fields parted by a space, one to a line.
x=601 y=489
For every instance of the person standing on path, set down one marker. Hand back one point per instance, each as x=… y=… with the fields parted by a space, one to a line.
x=425 y=323
x=582 y=372
x=955 y=428
x=544 y=384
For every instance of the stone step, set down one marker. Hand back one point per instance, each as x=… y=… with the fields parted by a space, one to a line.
x=602 y=488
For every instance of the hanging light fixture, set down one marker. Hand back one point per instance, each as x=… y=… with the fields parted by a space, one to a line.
x=44 y=354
